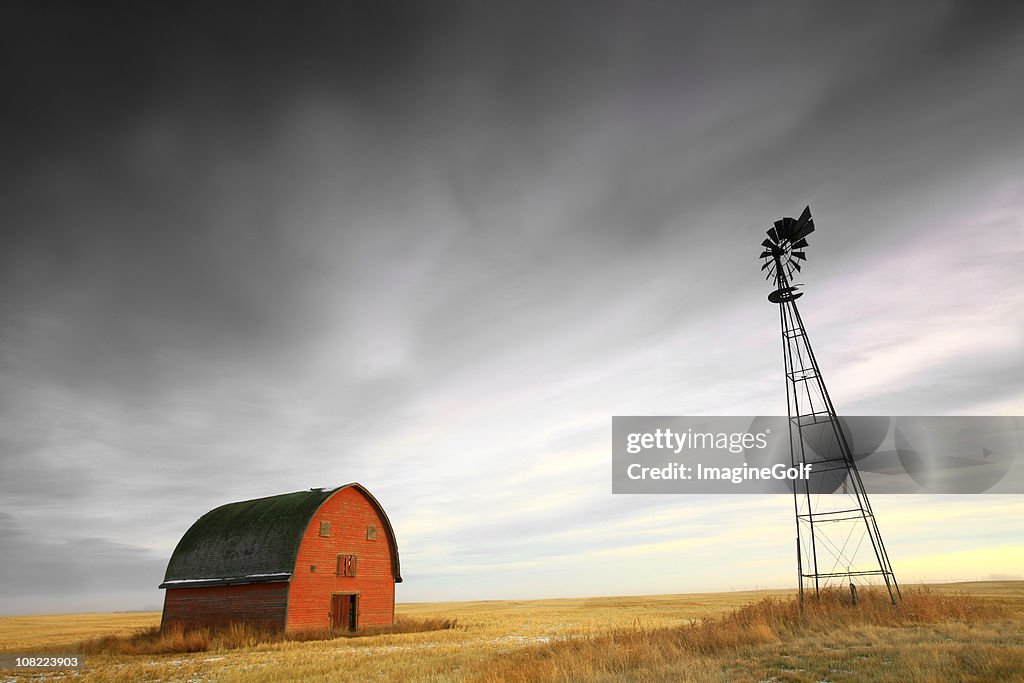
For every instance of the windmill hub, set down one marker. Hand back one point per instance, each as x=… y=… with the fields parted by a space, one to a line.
x=783 y=250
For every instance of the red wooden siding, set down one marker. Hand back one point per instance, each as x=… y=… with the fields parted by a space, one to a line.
x=309 y=603
x=262 y=604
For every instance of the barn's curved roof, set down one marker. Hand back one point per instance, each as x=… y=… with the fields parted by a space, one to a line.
x=255 y=541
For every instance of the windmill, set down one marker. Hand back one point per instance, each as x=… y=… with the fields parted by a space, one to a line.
x=837 y=537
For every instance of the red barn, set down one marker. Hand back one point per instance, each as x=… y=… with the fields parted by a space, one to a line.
x=311 y=559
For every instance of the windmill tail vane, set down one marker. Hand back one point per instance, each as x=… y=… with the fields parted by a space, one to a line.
x=837 y=537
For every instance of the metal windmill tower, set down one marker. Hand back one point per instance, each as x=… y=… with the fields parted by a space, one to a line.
x=837 y=536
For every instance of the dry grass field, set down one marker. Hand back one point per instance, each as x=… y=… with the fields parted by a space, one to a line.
x=962 y=632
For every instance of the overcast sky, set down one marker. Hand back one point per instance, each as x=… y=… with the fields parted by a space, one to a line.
x=434 y=247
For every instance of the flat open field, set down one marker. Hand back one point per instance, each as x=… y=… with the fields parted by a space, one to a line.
x=623 y=638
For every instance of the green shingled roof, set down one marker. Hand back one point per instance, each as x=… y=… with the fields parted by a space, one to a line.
x=252 y=541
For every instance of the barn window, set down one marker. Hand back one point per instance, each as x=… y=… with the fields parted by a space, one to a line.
x=346 y=565
x=325 y=528
x=371 y=533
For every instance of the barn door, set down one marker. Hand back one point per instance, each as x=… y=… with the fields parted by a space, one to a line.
x=343 y=611
x=353 y=613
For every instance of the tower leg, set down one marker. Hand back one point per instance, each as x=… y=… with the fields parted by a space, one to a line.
x=841 y=543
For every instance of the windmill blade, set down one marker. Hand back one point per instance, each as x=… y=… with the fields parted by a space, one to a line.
x=799 y=255
x=765 y=254
x=805 y=216
x=767 y=244
x=799 y=244
x=795 y=265
x=773 y=234
x=804 y=227
x=766 y=264
x=789 y=225
x=781 y=228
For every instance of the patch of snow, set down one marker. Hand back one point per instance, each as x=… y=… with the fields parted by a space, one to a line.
x=176 y=582
x=252 y=576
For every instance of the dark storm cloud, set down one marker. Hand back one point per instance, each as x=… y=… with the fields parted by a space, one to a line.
x=82 y=75
x=47 y=557
x=143 y=185
x=244 y=249
x=169 y=199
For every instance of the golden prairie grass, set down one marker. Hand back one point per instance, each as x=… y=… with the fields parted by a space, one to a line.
x=177 y=640
x=934 y=635
x=623 y=652
x=62 y=630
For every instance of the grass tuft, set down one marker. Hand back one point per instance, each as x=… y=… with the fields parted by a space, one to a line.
x=177 y=640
